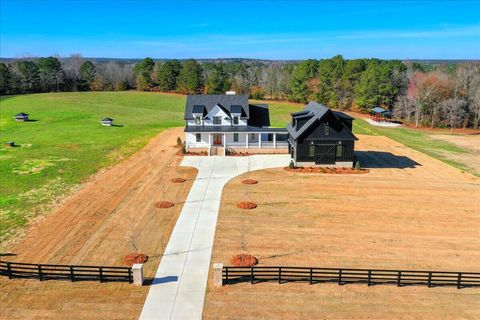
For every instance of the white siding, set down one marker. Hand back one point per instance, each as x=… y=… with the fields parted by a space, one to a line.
x=191 y=140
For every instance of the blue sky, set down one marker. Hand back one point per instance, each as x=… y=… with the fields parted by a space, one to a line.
x=249 y=29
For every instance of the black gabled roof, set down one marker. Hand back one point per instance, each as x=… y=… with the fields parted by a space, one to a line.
x=259 y=115
x=107 y=119
x=315 y=111
x=343 y=115
x=21 y=114
x=225 y=101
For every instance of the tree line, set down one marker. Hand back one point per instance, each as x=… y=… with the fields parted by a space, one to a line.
x=423 y=93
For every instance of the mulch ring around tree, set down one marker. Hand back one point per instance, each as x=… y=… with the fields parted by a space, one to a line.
x=249 y=181
x=164 y=204
x=327 y=170
x=247 y=205
x=132 y=258
x=243 y=260
x=178 y=180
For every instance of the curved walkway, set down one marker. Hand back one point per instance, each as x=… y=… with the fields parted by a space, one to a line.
x=178 y=290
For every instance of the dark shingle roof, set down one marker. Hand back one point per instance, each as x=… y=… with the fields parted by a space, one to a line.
x=259 y=115
x=21 y=114
x=107 y=119
x=210 y=101
x=315 y=111
x=233 y=129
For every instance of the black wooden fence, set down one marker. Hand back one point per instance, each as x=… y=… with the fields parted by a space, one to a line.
x=256 y=274
x=65 y=272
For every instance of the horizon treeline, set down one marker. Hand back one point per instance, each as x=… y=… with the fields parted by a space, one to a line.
x=423 y=93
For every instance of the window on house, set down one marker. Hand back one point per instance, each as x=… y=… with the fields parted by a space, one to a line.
x=326 y=129
x=198 y=137
x=339 y=151
x=217 y=120
x=311 y=151
x=235 y=137
x=235 y=120
x=252 y=136
x=198 y=121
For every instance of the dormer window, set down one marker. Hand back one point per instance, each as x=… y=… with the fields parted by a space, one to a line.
x=198 y=120
x=235 y=120
x=217 y=120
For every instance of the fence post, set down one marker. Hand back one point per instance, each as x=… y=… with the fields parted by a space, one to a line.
x=279 y=275
x=429 y=279
x=218 y=274
x=339 y=277
x=101 y=273
x=72 y=276
x=40 y=277
x=137 y=270
x=399 y=278
x=311 y=275
x=459 y=280
x=9 y=269
x=251 y=275
x=369 y=280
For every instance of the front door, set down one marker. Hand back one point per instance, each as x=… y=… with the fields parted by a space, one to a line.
x=217 y=139
x=325 y=154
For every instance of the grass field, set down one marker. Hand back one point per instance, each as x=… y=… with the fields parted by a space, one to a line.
x=66 y=143
x=409 y=212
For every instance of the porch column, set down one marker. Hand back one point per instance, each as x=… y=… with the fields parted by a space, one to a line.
x=274 y=141
x=209 y=144
x=224 y=144
x=259 y=140
x=246 y=140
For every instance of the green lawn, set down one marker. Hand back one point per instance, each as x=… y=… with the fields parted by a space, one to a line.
x=66 y=143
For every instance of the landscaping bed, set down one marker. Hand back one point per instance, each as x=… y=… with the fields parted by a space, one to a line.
x=327 y=170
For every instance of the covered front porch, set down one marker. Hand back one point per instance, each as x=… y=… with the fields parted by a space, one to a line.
x=219 y=142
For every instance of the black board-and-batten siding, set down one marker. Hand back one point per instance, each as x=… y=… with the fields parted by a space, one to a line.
x=320 y=136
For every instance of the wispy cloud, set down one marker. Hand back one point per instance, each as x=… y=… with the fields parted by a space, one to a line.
x=472 y=30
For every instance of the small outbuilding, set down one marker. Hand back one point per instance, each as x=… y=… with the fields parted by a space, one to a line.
x=107 y=122
x=380 y=114
x=21 y=117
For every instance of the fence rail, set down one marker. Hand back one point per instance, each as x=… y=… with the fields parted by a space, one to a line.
x=231 y=275
x=65 y=272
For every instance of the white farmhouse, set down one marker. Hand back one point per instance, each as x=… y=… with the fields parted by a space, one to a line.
x=217 y=123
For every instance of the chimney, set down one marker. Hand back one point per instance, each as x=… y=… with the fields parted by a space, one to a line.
x=230 y=93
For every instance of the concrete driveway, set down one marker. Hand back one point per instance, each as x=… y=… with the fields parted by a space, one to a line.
x=178 y=290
